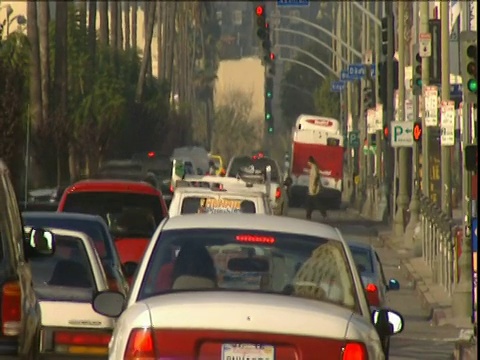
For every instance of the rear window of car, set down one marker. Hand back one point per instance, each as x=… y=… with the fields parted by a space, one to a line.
x=126 y=214
x=69 y=266
x=258 y=164
x=363 y=259
x=205 y=205
x=262 y=262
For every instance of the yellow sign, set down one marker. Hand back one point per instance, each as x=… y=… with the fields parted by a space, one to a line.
x=357 y=179
x=222 y=205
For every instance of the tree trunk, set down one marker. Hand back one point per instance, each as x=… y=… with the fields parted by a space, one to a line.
x=119 y=26
x=103 y=13
x=159 y=39
x=114 y=24
x=146 y=52
x=35 y=83
x=43 y=24
x=60 y=78
x=126 y=15
x=171 y=40
x=164 y=38
x=147 y=16
x=92 y=40
x=82 y=10
x=134 y=24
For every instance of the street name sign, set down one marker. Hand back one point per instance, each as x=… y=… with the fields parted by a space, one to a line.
x=431 y=105
x=337 y=86
x=447 y=127
x=293 y=3
x=344 y=75
x=356 y=71
x=425 y=44
x=402 y=133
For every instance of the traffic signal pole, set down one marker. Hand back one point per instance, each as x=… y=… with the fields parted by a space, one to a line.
x=402 y=199
x=446 y=169
x=424 y=28
x=379 y=134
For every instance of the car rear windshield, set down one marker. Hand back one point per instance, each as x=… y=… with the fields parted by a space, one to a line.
x=205 y=205
x=126 y=214
x=68 y=267
x=258 y=164
x=258 y=261
x=93 y=229
x=363 y=259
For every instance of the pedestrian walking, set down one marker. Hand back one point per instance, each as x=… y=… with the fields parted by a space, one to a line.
x=314 y=188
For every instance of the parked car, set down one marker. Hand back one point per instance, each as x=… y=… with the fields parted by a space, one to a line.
x=20 y=314
x=65 y=284
x=371 y=271
x=132 y=211
x=310 y=299
x=96 y=228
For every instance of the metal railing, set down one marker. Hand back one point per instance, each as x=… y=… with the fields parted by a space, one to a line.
x=439 y=244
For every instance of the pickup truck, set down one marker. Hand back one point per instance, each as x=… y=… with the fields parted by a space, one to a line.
x=261 y=171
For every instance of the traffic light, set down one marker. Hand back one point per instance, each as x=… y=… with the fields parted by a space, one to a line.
x=469 y=63
x=368 y=98
x=417 y=74
x=417 y=131
x=269 y=116
x=268 y=88
x=383 y=81
x=384 y=35
x=386 y=133
x=261 y=22
x=271 y=64
x=471 y=157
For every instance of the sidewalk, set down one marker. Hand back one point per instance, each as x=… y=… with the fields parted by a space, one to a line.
x=433 y=297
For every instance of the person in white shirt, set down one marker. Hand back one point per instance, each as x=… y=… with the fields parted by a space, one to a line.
x=314 y=189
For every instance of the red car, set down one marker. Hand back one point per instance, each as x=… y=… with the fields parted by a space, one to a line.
x=132 y=211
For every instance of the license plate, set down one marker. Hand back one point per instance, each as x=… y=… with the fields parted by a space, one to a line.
x=247 y=352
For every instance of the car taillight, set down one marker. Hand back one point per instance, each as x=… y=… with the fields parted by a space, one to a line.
x=278 y=193
x=90 y=343
x=355 y=351
x=140 y=345
x=372 y=295
x=11 y=309
x=171 y=189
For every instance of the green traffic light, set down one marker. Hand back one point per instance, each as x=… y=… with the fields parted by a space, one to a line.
x=268 y=116
x=270 y=129
x=269 y=94
x=472 y=85
x=419 y=82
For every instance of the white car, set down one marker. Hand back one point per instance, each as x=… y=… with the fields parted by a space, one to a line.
x=195 y=200
x=65 y=284
x=306 y=303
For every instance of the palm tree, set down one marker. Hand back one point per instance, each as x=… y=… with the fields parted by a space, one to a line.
x=160 y=35
x=147 y=49
x=134 y=24
x=43 y=29
x=92 y=38
x=114 y=24
x=126 y=20
x=35 y=72
x=103 y=13
x=146 y=18
x=119 y=26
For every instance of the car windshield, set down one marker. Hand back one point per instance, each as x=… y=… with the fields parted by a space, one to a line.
x=127 y=215
x=206 y=205
x=238 y=260
x=363 y=259
x=93 y=229
x=258 y=164
x=68 y=267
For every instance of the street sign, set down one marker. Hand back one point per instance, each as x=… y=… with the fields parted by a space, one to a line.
x=368 y=57
x=379 y=117
x=344 y=75
x=354 y=139
x=371 y=115
x=447 y=127
x=402 y=133
x=356 y=71
x=425 y=44
x=293 y=2
x=337 y=86
x=431 y=105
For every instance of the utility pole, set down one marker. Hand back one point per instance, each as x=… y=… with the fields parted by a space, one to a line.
x=414 y=206
x=424 y=28
x=362 y=126
x=402 y=198
x=377 y=57
x=446 y=150
x=348 y=56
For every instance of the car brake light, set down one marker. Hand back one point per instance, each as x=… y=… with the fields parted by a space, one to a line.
x=278 y=193
x=372 y=295
x=255 y=239
x=354 y=351
x=11 y=309
x=140 y=345
x=91 y=343
x=171 y=188
x=371 y=288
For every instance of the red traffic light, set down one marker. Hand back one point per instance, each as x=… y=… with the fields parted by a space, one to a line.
x=385 y=131
x=417 y=131
x=260 y=10
x=272 y=56
x=151 y=154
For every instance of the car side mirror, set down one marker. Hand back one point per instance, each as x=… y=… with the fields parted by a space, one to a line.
x=393 y=285
x=109 y=303
x=129 y=269
x=387 y=322
x=41 y=242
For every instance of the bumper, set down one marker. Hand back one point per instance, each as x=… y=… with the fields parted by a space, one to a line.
x=8 y=346
x=70 y=357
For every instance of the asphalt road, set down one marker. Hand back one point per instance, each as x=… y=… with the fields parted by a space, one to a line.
x=419 y=340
